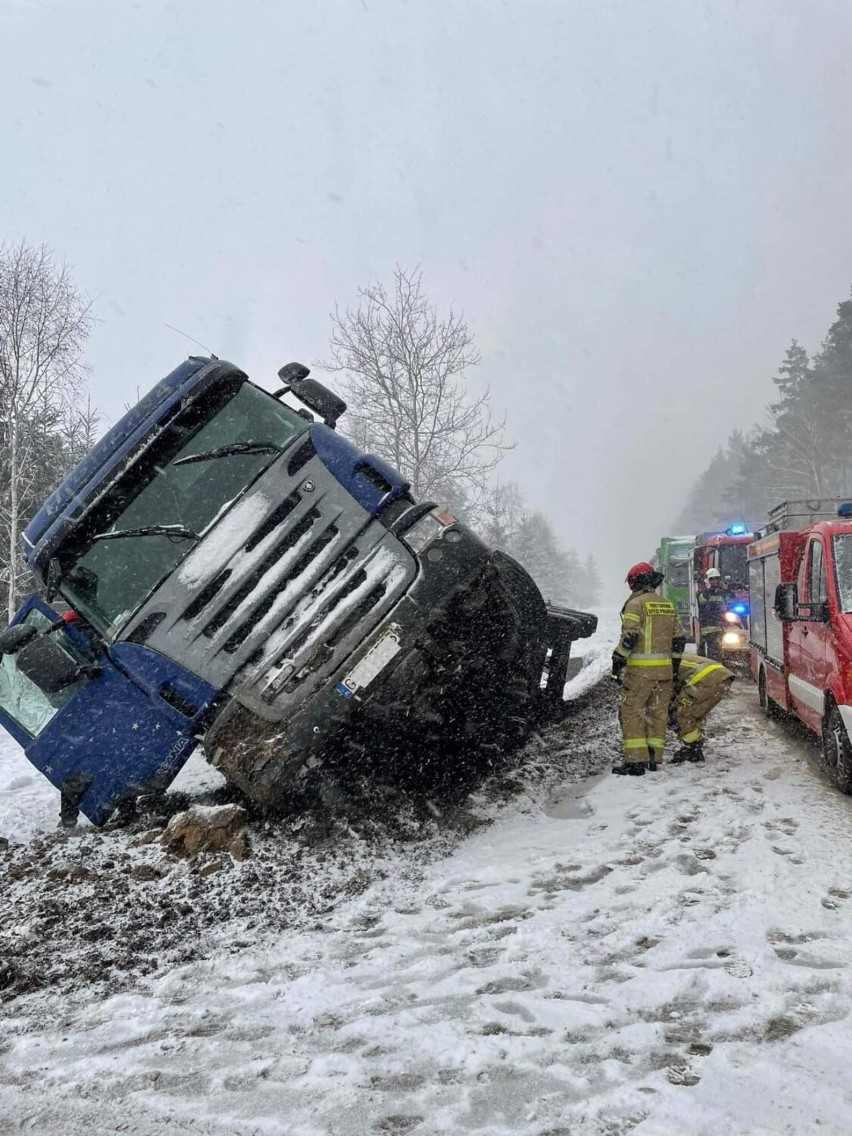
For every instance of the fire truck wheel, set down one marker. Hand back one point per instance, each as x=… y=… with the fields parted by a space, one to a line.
x=771 y=709
x=836 y=749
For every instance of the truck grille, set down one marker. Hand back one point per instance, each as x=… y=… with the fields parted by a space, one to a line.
x=294 y=576
x=267 y=564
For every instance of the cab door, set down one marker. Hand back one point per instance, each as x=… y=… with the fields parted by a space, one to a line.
x=808 y=680
x=100 y=737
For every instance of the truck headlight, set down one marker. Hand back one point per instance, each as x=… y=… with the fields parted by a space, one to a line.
x=732 y=639
x=425 y=530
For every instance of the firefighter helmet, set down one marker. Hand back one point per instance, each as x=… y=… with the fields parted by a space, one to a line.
x=712 y=574
x=644 y=573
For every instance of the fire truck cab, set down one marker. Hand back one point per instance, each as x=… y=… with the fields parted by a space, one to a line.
x=801 y=627
x=728 y=552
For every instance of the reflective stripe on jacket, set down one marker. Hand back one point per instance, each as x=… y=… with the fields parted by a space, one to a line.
x=712 y=606
x=649 y=626
x=694 y=669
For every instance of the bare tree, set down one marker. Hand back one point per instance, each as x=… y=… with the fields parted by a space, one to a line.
x=405 y=370
x=44 y=323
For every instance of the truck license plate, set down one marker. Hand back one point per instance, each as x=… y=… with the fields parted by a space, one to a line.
x=373 y=663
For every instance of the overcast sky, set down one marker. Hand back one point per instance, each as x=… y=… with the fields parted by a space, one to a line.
x=636 y=205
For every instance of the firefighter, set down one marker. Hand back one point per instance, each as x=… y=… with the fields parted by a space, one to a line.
x=700 y=685
x=714 y=599
x=651 y=638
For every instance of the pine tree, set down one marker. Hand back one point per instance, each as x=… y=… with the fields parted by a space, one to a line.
x=553 y=568
x=589 y=591
x=709 y=504
x=831 y=405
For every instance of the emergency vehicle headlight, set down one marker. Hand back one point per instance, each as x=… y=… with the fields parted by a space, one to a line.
x=732 y=639
x=730 y=617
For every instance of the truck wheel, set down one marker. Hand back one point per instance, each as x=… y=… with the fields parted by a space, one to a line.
x=771 y=709
x=836 y=749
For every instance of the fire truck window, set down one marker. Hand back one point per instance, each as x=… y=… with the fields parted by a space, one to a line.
x=733 y=564
x=817 y=592
x=843 y=568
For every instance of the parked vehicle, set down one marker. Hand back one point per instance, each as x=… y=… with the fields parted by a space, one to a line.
x=241 y=577
x=672 y=558
x=801 y=622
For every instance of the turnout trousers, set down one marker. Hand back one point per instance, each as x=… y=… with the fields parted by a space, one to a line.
x=644 y=711
x=694 y=703
x=711 y=643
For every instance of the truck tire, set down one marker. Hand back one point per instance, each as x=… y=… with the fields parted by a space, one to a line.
x=770 y=709
x=836 y=748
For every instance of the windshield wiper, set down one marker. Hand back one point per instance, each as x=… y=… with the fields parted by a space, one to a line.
x=150 y=530
x=233 y=448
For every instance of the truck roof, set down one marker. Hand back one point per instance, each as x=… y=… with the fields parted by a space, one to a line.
x=786 y=537
x=720 y=538
x=62 y=508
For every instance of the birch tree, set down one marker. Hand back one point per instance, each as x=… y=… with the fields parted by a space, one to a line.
x=44 y=324
x=406 y=370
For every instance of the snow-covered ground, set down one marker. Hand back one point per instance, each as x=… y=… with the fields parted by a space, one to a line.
x=596 y=653
x=28 y=802
x=658 y=956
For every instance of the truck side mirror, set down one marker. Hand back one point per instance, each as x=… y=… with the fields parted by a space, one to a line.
x=820 y=612
x=314 y=395
x=319 y=398
x=48 y=666
x=787 y=602
x=14 y=638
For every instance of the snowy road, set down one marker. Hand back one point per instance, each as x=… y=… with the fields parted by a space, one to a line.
x=659 y=956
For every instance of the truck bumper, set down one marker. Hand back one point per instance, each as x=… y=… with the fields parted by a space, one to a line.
x=384 y=680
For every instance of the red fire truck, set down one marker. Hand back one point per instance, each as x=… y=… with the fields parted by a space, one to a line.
x=800 y=577
x=728 y=552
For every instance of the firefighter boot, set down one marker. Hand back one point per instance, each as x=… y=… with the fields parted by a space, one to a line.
x=630 y=769
x=68 y=811
x=653 y=764
x=71 y=792
x=693 y=751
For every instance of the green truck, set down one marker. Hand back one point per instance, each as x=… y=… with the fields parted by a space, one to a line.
x=672 y=558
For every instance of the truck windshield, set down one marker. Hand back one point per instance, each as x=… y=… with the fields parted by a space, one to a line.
x=733 y=564
x=677 y=567
x=843 y=570
x=240 y=429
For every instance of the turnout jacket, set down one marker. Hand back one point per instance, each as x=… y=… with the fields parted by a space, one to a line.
x=650 y=634
x=695 y=670
x=712 y=605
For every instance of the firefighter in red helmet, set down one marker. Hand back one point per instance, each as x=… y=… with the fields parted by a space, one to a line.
x=647 y=655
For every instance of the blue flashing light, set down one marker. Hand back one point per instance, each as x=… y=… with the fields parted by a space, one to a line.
x=740 y=608
x=737 y=530
x=845 y=510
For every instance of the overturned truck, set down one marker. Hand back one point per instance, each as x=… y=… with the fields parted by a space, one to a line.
x=225 y=570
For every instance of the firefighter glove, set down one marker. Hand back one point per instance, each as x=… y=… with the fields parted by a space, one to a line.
x=618 y=664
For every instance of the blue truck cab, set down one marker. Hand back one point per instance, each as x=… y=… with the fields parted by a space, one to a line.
x=234 y=574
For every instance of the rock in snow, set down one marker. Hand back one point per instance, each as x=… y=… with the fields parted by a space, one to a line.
x=208 y=828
